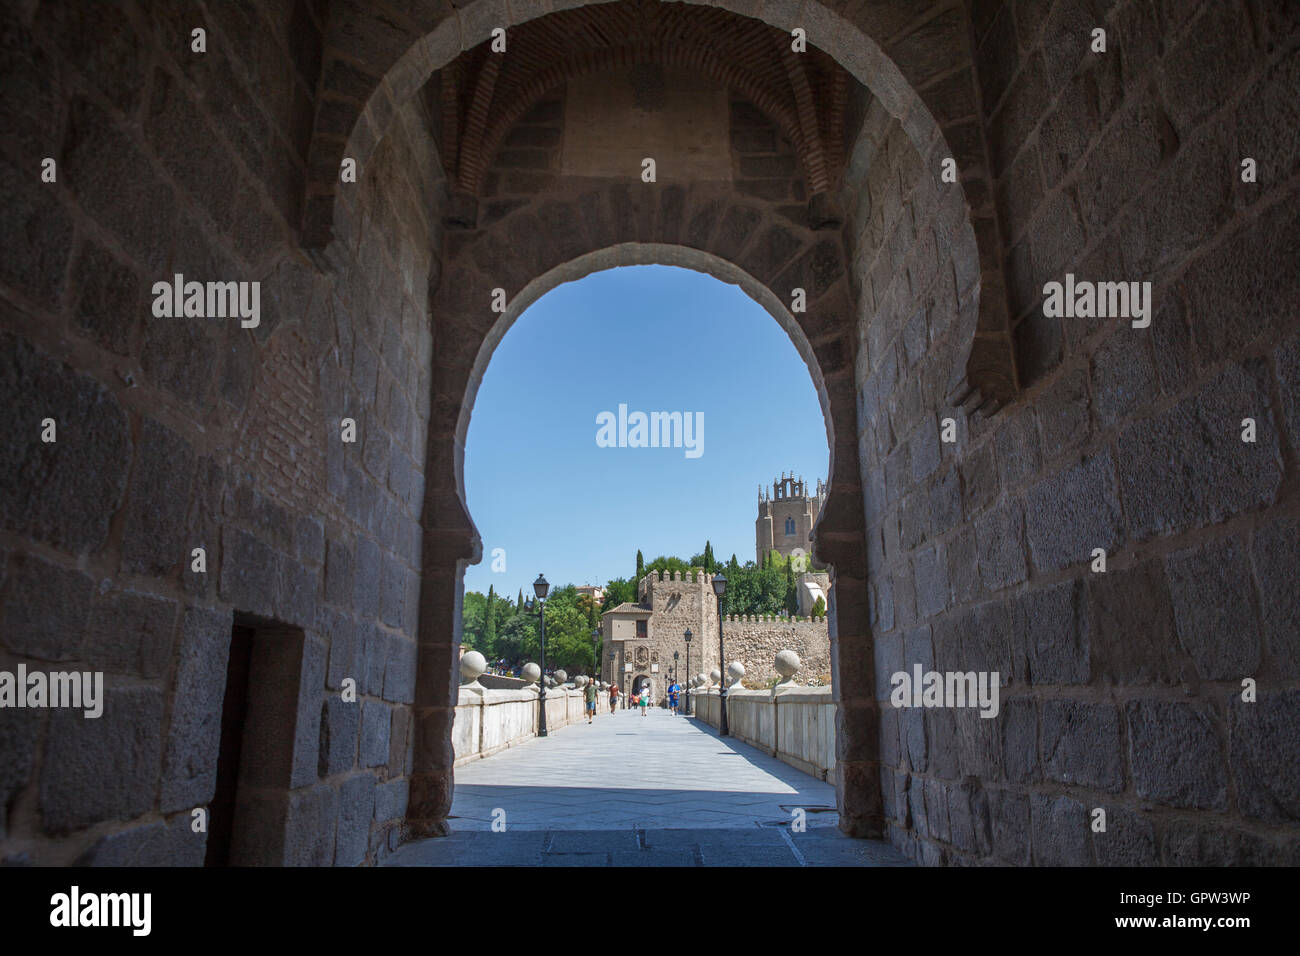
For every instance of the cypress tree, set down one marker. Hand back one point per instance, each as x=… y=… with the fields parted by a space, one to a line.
x=519 y=603
x=640 y=565
x=490 y=622
x=708 y=556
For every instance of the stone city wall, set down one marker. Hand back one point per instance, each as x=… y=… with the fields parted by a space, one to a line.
x=756 y=640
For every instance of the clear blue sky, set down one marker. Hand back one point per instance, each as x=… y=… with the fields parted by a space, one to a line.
x=655 y=338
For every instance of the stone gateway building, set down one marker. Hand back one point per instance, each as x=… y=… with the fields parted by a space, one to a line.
x=641 y=638
x=257 y=532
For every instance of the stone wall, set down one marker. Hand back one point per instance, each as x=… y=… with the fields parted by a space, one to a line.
x=183 y=433
x=794 y=724
x=755 y=640
x=1120 y=690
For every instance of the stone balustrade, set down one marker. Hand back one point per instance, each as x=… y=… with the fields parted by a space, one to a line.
x=794 y=724
x=488 y=721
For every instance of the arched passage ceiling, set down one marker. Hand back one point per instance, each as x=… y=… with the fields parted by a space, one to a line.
x=483 y=93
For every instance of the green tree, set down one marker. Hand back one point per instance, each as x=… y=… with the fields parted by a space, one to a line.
x=519 y=602
x=819 y=607
x=640 y=565
x=791 y=590
x=619 y=591
x=710 y=565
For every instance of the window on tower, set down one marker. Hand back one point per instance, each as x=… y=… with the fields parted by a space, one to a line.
x=789 y=526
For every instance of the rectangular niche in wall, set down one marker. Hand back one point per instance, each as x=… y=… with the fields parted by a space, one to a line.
x=259 y=723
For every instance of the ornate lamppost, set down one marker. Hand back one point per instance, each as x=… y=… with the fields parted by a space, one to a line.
x=720 y=588
x=595 y=651
x=687 y=635
x=540 y=588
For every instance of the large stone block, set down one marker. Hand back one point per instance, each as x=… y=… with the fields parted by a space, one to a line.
x=154 y=537
x=932 y=591
x=1081 y=744
x=37 y=241
x=1059 y=828
x=376 y=722
x=1174 y=754
x=130 y=633
x=108 y=297
x=63 y=492
x=1132 y=634
x=1050 y=635
x=339 y=721
x=1019 y=725
x=194 y=735
x=1009 y=826
x=249 y=575
x=1264 y=755
x=1187 y=843
x=170 y=843
x=310 y=825
x=46 y=611
x=1188 y=467
x=18 y=738
x=1214 y=608
x=1073 y=512
x=1000 y=538
x=356 y=810
x=1129 y=839
x=104 y=768
x=1276 y=552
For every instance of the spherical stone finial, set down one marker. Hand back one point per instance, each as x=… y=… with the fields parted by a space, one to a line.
x=735 y=670
x=580 y=681
x=531 y=673
x=787 y=664
x=472 y=665
x=561 y=676
x=715 y=675
x=700 y=679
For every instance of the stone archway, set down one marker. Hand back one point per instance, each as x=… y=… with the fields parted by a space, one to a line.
x=889 y=185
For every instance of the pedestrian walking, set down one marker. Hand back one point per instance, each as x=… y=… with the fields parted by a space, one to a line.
x=590 y=694
x=645 y=701
x=673 y=691
x=613 y=698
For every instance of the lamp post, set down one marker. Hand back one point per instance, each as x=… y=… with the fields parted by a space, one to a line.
x=595 y=652
x=688 y=671
x=720 y=588
x=540 y=588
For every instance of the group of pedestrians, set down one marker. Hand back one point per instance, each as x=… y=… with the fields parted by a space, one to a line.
x=639 y=699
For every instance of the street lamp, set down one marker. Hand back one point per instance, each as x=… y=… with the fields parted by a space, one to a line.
x=595 y=651
x=720 y=588
x=674 y=667
x=688 y=670
x=540 y=588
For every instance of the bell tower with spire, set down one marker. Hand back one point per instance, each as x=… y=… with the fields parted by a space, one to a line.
x=786 y=515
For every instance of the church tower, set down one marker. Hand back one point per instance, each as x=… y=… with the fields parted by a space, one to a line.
x=786 y=516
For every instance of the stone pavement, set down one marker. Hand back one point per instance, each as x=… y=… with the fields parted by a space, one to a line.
x=630 y=790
